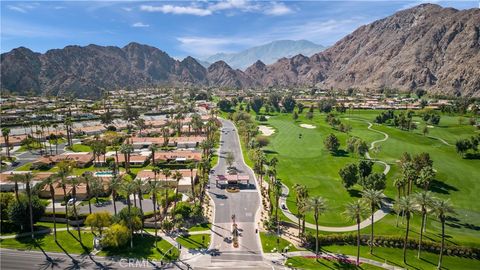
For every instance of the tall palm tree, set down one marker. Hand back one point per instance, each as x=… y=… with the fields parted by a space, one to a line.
x=177 y=176
x=427 y=174
x=154 y=189
x=26 y=179
x=129 y=188
x=374 y=200
x=153 y=148
x=442 y=209
x=126 y=150
x=424 y=200
x=167 y=173
x=115 y=185
x=50 y=181
x=406 y=204
x=192 y=166
x=399 y=183
x=57 y=134
x=354 y=211
x=88 y=179
x=277 y=189
x=139 y=190
x=65 y=168
x=75 y=182
x=318 y=206
x=116 y=148
x=6 y=136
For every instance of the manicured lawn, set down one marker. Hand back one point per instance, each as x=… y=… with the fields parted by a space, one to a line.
x=304 y=160
x=269 y=243
x=196 y=241
x=143 y=248
x=394 y=256
x=24 y=167
x=93 y=200
x=200 y=227
x=312 y=263
x=67 y=242
x=80 y=148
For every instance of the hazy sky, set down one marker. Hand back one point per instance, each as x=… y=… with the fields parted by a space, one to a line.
x=182 y=28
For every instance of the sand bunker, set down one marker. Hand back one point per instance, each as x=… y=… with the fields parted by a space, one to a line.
x=266 y=130
x=307 y=126
x=429 y=126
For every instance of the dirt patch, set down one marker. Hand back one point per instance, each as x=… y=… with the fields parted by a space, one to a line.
x=308 y=126
x=266 y=130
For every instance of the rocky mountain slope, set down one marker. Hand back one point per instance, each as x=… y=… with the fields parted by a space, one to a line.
x=429 y=47
x=267 y=53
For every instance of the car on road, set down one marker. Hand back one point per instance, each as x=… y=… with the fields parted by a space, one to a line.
x=72 y=201
x=208 y=186
x=212 y=171
x=284 y=207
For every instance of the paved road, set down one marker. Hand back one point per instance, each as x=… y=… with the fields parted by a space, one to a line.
x=244 y=205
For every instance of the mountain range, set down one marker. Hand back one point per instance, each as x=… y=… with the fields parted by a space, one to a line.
x=427 y=46
x=267 y=53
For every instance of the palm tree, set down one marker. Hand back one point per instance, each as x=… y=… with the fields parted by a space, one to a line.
x=442 y=208
x=318 y=206
x=65 y=168
x=427 y=174
x=115 y=186
x=374 y=200
x=50 y=181
x=87 y=179
x=424 y=200
x=126 y=150
x=153 y=148
x=354 y=211
x=177 y=176
x=27 y=180
x=5 y=134
x=192 y=166
x=407 y=205
x=129 y=188
x=55 y=126
x=277 y=189
x=74 y=182
x=116 y=148
x=399 y=183
x=154 y=189
x=139 y=189
x=167 y=173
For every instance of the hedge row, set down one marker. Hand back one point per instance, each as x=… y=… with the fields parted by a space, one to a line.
x=395 y=242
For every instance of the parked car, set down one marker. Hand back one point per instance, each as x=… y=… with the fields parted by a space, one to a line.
x=284 y=207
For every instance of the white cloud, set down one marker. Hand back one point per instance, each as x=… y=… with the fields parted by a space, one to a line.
x=278 y=9
x=206 y=46
x=140 y=24
x=23 y=7
x=176 y=10
x=18 y=9
x=127 y=9
x=208 y=8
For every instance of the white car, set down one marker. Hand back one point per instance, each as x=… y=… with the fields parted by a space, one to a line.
x=72 y=201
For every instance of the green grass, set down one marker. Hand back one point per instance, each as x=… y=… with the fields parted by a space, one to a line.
x=269 y=243
x=80 y=148
x=93 y=200
x=143 y=248
x=312 y=263
x=394 y=256
x=196 y=241
x=200 y=227
x=67 y=242
x=24 y=167
x=304 y=160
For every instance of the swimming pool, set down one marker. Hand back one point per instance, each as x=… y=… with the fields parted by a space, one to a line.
x=103 y=174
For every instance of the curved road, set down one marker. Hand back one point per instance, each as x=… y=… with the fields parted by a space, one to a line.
x=379 y=214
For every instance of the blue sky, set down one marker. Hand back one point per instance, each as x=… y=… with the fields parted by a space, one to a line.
x=181 y=28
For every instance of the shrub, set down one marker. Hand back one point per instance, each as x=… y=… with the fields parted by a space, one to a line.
x=116 y=236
